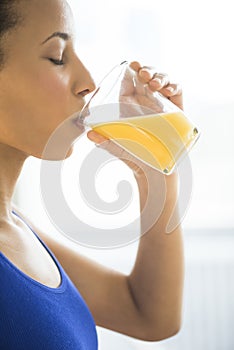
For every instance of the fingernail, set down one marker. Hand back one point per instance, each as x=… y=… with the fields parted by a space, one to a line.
x=169 y=88
x=155 y=81
x=143 y=71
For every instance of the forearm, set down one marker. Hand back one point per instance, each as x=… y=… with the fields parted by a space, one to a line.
x=157 y=278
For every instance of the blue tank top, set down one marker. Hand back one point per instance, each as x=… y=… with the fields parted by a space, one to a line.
x=35 y=316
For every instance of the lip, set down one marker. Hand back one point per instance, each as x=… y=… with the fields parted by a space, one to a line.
x=79 y=119
x=78 y=124
x=80 y=116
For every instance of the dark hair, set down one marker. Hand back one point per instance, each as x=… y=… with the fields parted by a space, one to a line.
x=10 y=18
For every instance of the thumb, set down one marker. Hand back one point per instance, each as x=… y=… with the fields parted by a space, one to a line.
x=96 y=137
x=108 y=145
x=105 y=144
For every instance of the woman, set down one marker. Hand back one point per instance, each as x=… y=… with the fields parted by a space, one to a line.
x=42 y=83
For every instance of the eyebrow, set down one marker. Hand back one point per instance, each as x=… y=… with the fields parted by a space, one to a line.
x=63 y=36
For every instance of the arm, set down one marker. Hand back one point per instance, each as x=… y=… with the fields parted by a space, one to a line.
x=156 y=280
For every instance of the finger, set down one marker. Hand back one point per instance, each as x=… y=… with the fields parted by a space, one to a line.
x=135 y=65
x=116 y=150
x=107 y=144
x=171 y=90
x=174 y=93
x=146 y=74
x=159 y=81
x=177 y=100
x=133 y=82
x=96 y=137
x=153 y=81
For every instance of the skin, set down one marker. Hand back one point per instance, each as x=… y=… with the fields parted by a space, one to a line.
x=37 y=97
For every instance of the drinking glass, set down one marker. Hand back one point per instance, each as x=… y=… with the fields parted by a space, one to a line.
x=145 y=123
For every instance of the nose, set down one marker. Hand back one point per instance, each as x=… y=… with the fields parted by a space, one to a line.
x=83 y=81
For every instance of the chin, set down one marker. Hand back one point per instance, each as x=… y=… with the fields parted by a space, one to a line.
x=59 y=143
x=55 y=154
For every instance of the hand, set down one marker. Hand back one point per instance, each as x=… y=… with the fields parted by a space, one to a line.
x=146 y=83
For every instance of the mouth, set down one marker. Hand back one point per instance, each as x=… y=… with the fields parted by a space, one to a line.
x=79 y=119
x=80 y=116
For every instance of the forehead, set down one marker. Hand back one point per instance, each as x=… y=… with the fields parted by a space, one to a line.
x=43 y=17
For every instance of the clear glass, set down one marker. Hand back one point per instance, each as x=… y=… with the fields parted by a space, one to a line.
x=144 y=123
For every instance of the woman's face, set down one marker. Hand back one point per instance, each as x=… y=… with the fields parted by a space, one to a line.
x=43 y=82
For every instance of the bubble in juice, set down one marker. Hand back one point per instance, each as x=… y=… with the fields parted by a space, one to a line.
x=159 y=140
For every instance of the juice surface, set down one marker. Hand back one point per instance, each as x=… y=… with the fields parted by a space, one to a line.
x=158 y=140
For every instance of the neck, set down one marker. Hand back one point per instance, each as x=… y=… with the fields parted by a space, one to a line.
x=11 y=163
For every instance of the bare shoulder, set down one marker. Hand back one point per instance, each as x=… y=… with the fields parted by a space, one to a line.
x=45 y=236
x=61 y=246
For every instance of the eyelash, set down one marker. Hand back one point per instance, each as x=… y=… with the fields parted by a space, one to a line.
x=57 y=62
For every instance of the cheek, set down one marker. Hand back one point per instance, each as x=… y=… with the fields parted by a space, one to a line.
x=40 y=99
x=34 y=106
x=54 y=91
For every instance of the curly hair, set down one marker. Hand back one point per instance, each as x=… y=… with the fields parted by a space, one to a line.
x=10 y=19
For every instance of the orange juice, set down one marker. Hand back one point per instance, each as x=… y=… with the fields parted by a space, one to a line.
x=158 y=140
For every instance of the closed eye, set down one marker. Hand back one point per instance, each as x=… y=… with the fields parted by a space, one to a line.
x=57 y=62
